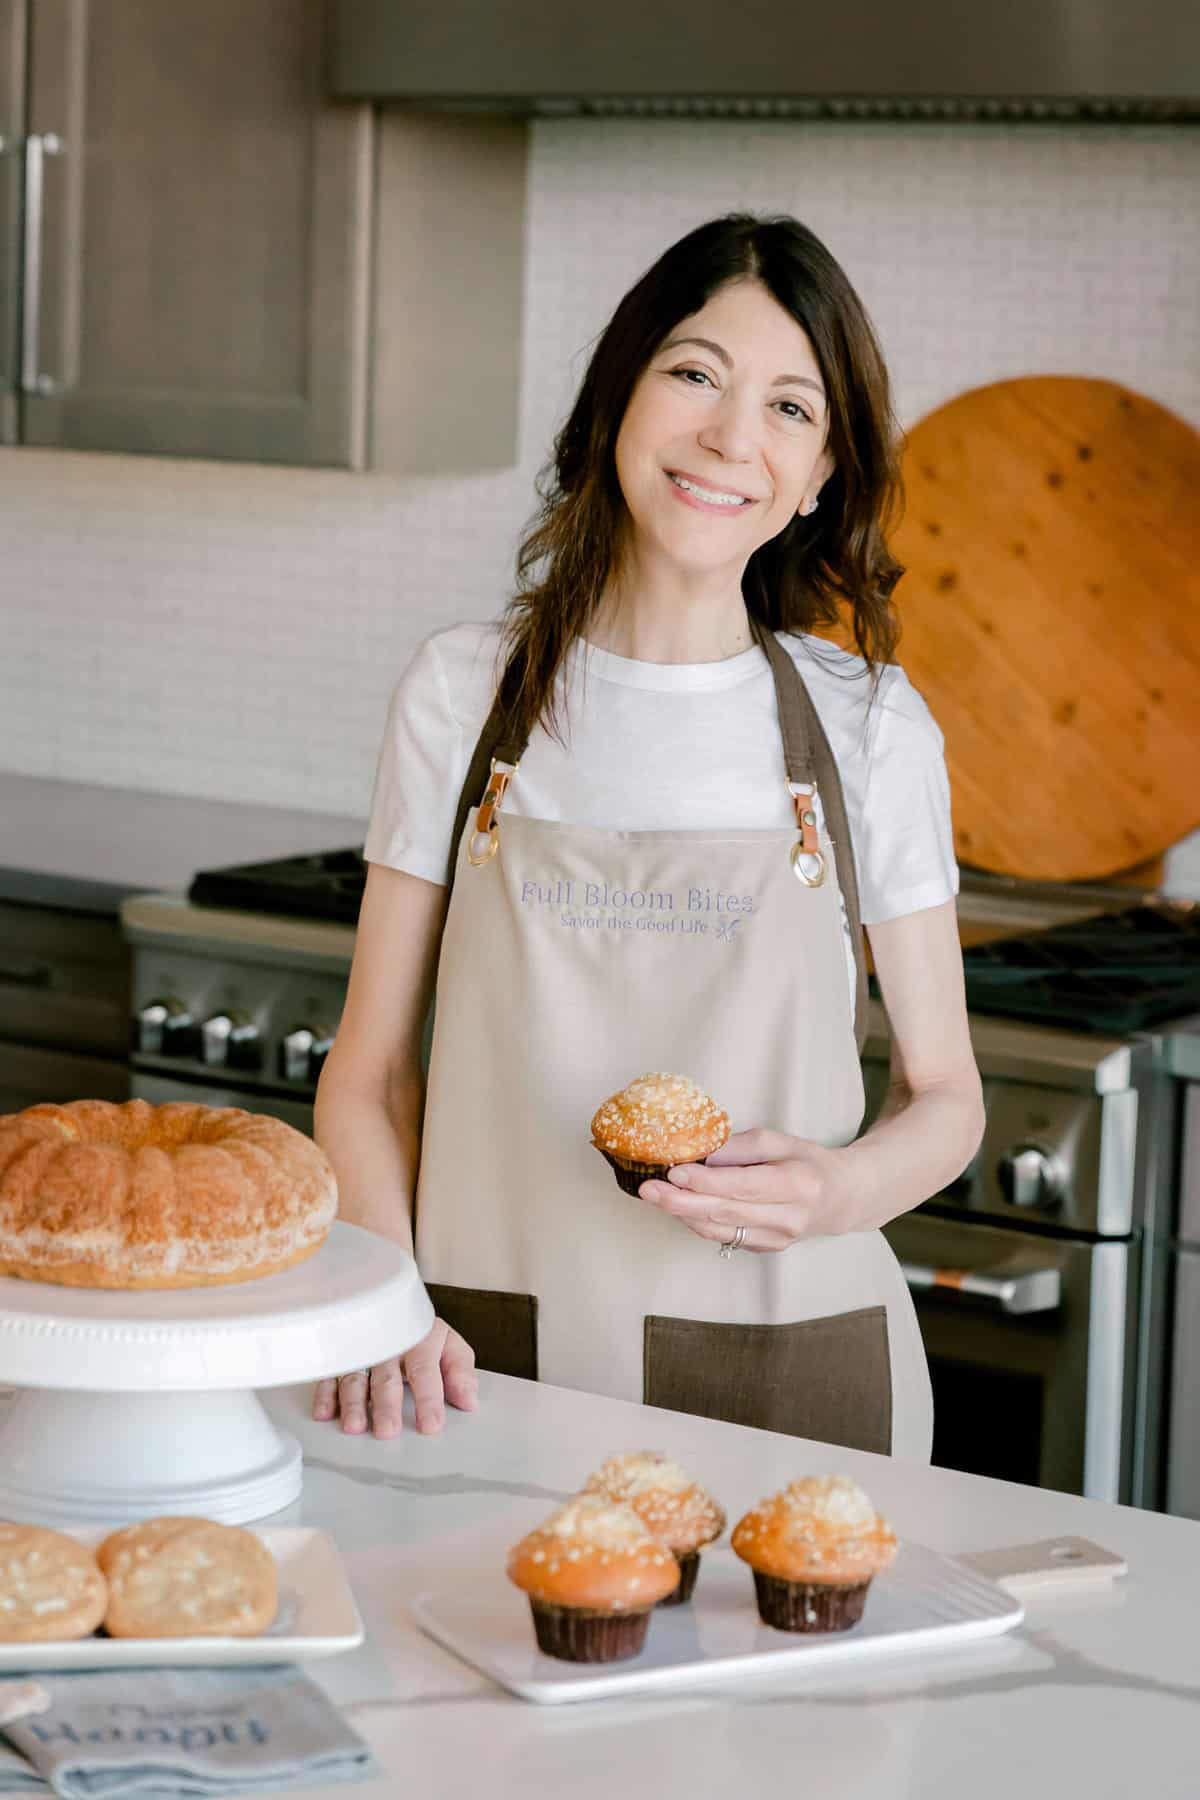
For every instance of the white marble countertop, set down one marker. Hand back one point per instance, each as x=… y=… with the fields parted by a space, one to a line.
x=1097 y=1693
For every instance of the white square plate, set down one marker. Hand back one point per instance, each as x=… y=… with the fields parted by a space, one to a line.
x=923 y=1601
x=317 y=1617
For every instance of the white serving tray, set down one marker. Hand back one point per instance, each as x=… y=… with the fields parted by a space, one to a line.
x=317 y=1617
x=924 y=1601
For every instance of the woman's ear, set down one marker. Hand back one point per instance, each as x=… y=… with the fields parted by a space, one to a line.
x=822 y=470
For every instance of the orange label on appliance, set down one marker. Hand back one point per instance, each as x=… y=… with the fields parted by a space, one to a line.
x=951 y=1278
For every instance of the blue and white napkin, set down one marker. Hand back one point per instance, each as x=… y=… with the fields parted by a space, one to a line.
x=162 y=1734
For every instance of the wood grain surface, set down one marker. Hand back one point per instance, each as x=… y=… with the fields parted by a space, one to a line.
x=1051 y=618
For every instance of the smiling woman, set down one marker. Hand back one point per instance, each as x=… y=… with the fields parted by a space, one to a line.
x=722 y=486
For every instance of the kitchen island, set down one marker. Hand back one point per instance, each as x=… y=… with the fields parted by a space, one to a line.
x=1097 y=1694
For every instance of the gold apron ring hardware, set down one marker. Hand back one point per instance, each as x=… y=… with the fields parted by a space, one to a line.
x=490 y=839
x=799 y=856
x=487 y=825
x=806 y=851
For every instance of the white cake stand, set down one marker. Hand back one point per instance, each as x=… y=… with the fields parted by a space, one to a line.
x=134 y=1404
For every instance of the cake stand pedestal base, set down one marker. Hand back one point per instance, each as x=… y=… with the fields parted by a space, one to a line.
x=80 y=1459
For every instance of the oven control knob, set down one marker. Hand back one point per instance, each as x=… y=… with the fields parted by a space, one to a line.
x=303 y=1051
x=231 y=1040
x=164 y=1027
x=1032 y=1176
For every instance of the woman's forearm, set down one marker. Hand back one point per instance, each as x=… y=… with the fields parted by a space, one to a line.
x=919 y=1143
x=374 y=1146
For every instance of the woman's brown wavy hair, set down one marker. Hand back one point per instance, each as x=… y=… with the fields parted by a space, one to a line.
x=832 y=568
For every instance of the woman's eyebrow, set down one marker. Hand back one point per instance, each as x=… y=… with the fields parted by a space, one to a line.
x=723 y=356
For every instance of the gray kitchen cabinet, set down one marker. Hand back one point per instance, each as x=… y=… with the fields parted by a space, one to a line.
x=201 y=281
x=12 y=135
x=202 y=256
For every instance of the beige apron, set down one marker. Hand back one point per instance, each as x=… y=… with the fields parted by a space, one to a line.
x=575 y=959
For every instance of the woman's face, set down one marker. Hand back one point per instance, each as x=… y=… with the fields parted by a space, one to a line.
x=723 y=439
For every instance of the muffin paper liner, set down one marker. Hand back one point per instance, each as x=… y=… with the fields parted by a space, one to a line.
x=689 y=1568
x=809 y=1605
x=574 y=1634
x=630 y=1175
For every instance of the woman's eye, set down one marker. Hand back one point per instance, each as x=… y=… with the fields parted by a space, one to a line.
x=797 y=411
x=699 y=374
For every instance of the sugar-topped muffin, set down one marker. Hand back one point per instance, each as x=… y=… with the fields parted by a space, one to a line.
x=669 y=1502
x=814 y=1549
x=655 y=1123
x=593 y=1574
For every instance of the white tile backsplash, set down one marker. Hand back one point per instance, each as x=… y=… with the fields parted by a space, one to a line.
x=234 y=632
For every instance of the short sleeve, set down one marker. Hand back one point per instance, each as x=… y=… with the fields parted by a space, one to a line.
x=905 y=844
x=419 y=775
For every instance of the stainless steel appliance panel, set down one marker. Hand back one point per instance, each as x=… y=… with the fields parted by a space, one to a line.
x=1183 y=1467
x=1042 y=1396
x=159 y=1090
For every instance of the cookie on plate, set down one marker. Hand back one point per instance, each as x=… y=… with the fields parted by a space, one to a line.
x=670 y=1503
x=655 y=1123
x=50 y=1586
x=174 y=1578
x=814 y=1548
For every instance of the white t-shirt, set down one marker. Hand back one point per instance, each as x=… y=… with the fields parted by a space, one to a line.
x=665 y=746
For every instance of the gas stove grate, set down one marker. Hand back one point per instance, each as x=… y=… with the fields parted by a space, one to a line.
x=1123 y=971
x=328 y=885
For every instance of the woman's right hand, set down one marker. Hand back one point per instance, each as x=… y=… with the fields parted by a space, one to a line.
x=440 y=1368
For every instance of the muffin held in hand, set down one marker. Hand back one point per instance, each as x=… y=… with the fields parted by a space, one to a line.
x=814 y=1549
x=593 y=1574
x=669 y=1503
x=655 y=1123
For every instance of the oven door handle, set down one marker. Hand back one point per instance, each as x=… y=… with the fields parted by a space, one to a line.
x=1029 y=1291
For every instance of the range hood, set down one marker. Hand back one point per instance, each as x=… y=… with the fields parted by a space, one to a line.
x=1103 y=60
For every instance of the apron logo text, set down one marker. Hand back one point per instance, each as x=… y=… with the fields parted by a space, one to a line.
x=562 y=892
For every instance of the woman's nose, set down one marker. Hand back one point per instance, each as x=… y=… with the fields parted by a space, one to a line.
x=730 y=431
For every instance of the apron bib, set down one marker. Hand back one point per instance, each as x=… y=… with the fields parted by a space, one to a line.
x=575 y=959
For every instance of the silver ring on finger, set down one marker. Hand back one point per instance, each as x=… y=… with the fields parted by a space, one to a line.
x=735 y=1243
x=353 y=1375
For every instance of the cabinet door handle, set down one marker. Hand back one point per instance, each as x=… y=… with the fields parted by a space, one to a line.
x=38 y=146
x=33 y=975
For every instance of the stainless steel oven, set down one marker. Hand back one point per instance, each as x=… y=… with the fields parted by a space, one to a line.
x=1038 y=1276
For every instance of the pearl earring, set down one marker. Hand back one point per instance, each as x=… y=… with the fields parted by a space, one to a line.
x=809 y=507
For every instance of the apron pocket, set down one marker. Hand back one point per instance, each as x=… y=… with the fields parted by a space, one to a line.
x=500 y=1328
x=829 y=1379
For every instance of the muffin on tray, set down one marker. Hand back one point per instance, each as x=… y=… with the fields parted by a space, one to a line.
x=656 y=1122
x=593 y=1575
x=669 y=1502
x=814 y=1549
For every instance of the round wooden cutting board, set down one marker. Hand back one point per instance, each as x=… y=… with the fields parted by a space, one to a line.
x=1051 y=618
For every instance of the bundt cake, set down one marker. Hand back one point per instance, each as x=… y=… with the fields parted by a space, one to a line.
x=139 y=1196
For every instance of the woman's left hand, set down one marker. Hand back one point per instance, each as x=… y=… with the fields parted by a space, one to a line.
x=780 y=1188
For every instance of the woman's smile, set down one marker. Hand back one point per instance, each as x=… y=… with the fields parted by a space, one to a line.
x=707 y=498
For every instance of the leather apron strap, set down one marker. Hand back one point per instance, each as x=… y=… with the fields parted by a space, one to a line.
x=807 y=757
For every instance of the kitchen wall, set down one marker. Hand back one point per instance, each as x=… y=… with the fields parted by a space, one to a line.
x=234 y=632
